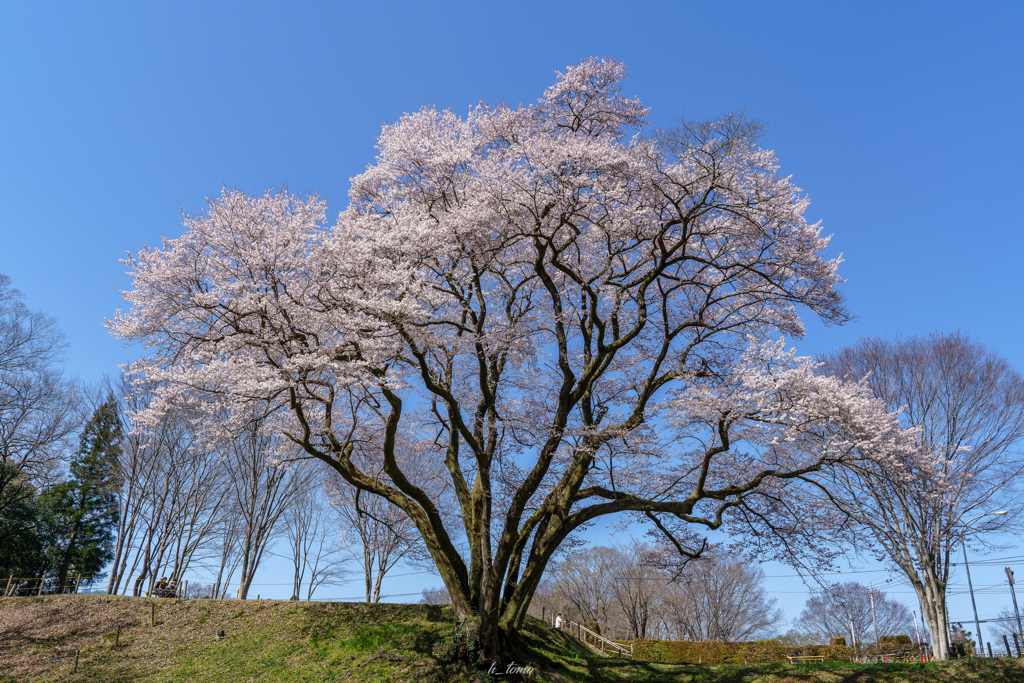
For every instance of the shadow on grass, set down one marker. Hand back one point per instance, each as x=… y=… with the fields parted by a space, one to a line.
x=570 y=660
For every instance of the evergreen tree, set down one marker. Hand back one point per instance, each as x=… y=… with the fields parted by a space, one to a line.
x=26 y=526
x=85 y=507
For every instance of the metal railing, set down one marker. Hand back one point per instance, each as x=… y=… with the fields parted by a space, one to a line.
x=586 y=635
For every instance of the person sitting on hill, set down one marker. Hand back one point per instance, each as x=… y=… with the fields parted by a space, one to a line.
x=160 y=589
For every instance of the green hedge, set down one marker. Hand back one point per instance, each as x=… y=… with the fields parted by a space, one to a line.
x=760 y=651
x=831 y=653
x=895 y=643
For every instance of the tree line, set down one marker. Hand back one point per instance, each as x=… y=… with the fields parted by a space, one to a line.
x=627 y=592
x=87 y=490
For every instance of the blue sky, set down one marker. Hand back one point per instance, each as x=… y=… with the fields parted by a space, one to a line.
x=901 y=120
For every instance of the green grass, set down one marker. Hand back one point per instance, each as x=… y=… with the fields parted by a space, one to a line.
x=300 y=642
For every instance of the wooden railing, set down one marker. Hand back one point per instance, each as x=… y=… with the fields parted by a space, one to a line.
x=45 y=585
x=38 y=585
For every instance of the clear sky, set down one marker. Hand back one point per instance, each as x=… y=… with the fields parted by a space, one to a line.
x=902 y=120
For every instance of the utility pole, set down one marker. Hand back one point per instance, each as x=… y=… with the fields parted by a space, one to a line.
x=970 y=587
x=853 y=631
x=1009 y=577
x=871 y=595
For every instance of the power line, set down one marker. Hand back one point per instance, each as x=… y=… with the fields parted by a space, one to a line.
x=991 y=561
x=362 y=597
x=386 y=576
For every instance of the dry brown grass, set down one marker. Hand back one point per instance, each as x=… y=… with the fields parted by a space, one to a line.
x=39 y=637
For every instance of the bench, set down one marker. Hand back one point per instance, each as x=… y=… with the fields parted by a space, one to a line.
x=169 y=592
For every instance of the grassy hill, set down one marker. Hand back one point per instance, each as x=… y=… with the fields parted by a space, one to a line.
x=161 y=640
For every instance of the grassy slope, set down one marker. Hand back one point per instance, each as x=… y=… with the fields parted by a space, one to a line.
x=282 y=641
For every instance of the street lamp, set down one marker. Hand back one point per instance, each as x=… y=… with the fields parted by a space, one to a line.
x=970 y=586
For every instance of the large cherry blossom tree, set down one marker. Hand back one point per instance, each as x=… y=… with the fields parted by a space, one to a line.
x=578 y=320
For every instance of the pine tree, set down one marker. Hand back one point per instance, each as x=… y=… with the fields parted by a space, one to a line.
x=86 y=505
x=26 y=527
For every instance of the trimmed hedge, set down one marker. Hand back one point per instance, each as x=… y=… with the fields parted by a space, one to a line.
x=760 y=651
x=831 y=653
x=895 y=643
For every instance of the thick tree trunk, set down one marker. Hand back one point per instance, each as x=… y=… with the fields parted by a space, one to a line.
x=244 y=588
x=367 y=571
x=65 y=563
x=296 y=583
x=933 y=607
x=119 y=566
x=376 y=585
x=137 y=590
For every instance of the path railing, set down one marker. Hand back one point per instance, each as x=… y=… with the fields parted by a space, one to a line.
x=41 y=585
x=32 y=586
x=586 y=635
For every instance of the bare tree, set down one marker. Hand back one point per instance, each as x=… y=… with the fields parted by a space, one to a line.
x=436 y=596
x=229 y=536
x=633 y=592
x=183 y=509
x=39 y=407
x=311 y=532
x=375 y=533
x=1004 y=624
x=138 y=466
x=198 y=591
x=968 y=403
x=172 y=495
x=719 y=597
x=843 y=610
x=260 y=491
x=584 y=585
x=638 y=588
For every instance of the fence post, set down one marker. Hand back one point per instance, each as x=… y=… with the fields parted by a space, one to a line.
x=8 y=588
x=1007 y=644
x=40 y=592
x=989 y=650
x=1016 y=644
